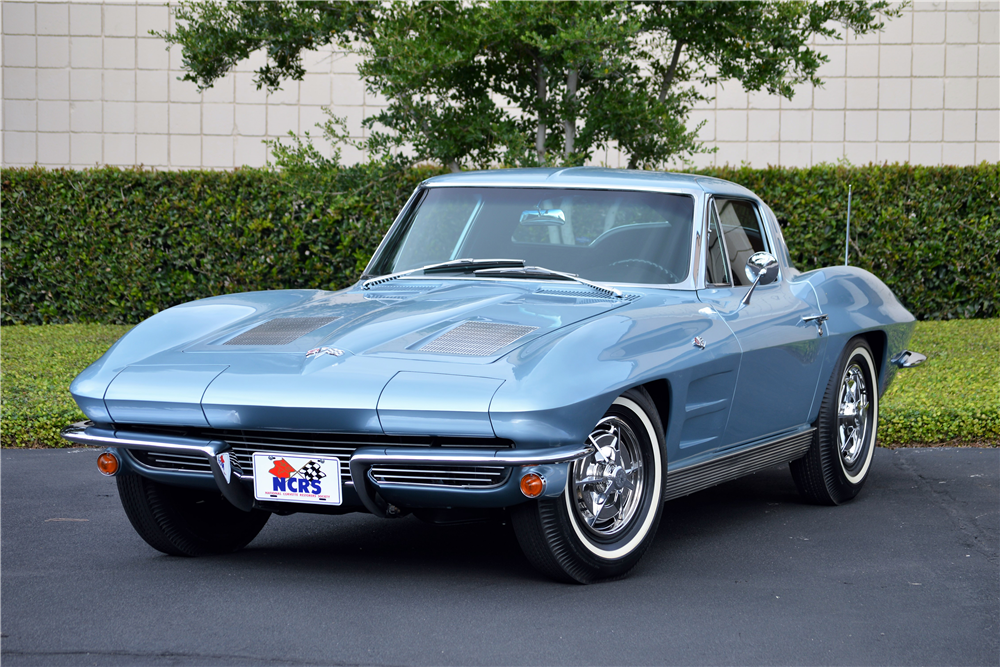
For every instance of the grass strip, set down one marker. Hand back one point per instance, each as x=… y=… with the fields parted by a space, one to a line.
x=37 y=364
x=953 y=398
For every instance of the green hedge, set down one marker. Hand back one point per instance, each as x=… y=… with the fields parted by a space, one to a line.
x=931 y=233
x=115 y=246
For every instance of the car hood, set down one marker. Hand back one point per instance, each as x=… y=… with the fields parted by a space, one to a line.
x=355 y=360
x=478 y=321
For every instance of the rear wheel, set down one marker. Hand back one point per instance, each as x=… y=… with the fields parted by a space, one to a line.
x=837 y=464
x=181 y=521
x=607 y=516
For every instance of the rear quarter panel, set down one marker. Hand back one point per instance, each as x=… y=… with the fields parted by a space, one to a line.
x=859 y=304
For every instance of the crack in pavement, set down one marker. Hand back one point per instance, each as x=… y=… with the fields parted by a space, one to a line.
x=942 y=497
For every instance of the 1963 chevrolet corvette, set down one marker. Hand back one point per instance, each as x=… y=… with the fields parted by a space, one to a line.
x=572 y=346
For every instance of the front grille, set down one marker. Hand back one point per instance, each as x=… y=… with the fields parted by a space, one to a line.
x=477 y=338
x=191 y=462
x=280 y=331
x=446 y=476
x=330 y=445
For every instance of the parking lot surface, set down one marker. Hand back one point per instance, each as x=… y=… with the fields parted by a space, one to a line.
x=742 y=574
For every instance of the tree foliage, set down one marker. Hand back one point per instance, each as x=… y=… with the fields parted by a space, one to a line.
x=483 y=82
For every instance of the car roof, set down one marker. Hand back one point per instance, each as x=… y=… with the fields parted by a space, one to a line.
x=590 y=177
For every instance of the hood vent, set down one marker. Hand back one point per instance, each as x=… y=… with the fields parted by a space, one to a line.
x=280 y=331
x=477 y=339
x=588 y=296
x=399 y=291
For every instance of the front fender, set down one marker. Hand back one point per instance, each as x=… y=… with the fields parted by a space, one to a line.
x=172 y=328
x=561 y=387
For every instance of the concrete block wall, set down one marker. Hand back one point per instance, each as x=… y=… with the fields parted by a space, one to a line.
x=924 y=90
x=84 y=84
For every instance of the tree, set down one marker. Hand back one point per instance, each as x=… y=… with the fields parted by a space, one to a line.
x=481 y=82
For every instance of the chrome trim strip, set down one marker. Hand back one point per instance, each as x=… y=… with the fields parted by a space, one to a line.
x=365 y=457
x=82 y=434
x=87 y=433
x=466 y=457
x=728 y=467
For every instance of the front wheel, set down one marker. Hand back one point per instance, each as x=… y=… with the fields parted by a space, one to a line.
x=182 y=521
x=607 y=516
x=837 y=464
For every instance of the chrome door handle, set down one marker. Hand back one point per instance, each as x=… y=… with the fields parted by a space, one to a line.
x=817 y=320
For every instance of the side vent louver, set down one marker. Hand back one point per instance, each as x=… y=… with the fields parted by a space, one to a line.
x=280 y=331
x=477 y=339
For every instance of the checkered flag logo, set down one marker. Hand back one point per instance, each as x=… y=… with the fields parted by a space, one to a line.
x=311 y=471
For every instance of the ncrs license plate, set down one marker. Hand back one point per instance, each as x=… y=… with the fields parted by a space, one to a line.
x=296 y=479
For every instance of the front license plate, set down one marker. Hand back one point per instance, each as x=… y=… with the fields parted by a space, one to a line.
x=296 y=479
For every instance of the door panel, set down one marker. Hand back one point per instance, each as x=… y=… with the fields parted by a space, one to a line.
x=782 y=355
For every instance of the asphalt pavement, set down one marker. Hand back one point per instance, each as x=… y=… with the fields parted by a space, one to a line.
x=742 y=574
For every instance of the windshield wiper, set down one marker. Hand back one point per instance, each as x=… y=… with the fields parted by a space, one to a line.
x=542 y=272
x=466 y=264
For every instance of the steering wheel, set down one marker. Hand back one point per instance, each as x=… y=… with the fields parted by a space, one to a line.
x=652 y=266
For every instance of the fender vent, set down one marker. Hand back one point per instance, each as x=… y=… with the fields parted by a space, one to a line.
x=477 y=339
x=280 y=331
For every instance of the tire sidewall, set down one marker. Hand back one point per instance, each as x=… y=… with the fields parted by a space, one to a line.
x=619 y=555
x=858 y=352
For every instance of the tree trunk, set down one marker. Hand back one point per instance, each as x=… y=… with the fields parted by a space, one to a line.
x=453 y=165
x=569 y=120
x=669 y=76
x=541 y=96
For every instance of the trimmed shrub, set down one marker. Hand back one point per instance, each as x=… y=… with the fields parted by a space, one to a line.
x=932 y=234
x=116 y=246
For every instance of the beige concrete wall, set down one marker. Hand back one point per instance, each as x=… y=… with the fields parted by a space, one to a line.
x=85 y=84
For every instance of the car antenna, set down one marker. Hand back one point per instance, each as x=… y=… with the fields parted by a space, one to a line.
x=847 y=240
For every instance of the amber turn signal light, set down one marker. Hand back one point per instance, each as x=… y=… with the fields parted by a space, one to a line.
x=107 y=463
x=532 y=485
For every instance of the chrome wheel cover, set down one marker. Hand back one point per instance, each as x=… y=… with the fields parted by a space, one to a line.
x=607 y=486
x=852 y=420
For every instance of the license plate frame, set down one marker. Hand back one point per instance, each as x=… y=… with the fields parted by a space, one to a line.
x=293 y=478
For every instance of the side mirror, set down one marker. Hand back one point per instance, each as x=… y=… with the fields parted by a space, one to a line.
x=762 y=269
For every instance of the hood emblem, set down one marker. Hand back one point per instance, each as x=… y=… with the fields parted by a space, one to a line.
x=324 y=350
x=699 y=342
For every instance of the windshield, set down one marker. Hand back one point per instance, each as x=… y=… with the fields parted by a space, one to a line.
x=627 y=237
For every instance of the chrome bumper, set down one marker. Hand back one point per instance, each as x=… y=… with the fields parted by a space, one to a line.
x=86 y=433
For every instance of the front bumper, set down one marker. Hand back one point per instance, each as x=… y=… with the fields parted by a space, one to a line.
x=380 y=499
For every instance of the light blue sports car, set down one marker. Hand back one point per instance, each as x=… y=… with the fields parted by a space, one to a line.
x=572 y=347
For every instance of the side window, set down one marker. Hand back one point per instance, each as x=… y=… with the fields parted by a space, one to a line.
x=743 y=234
x=716 y=262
